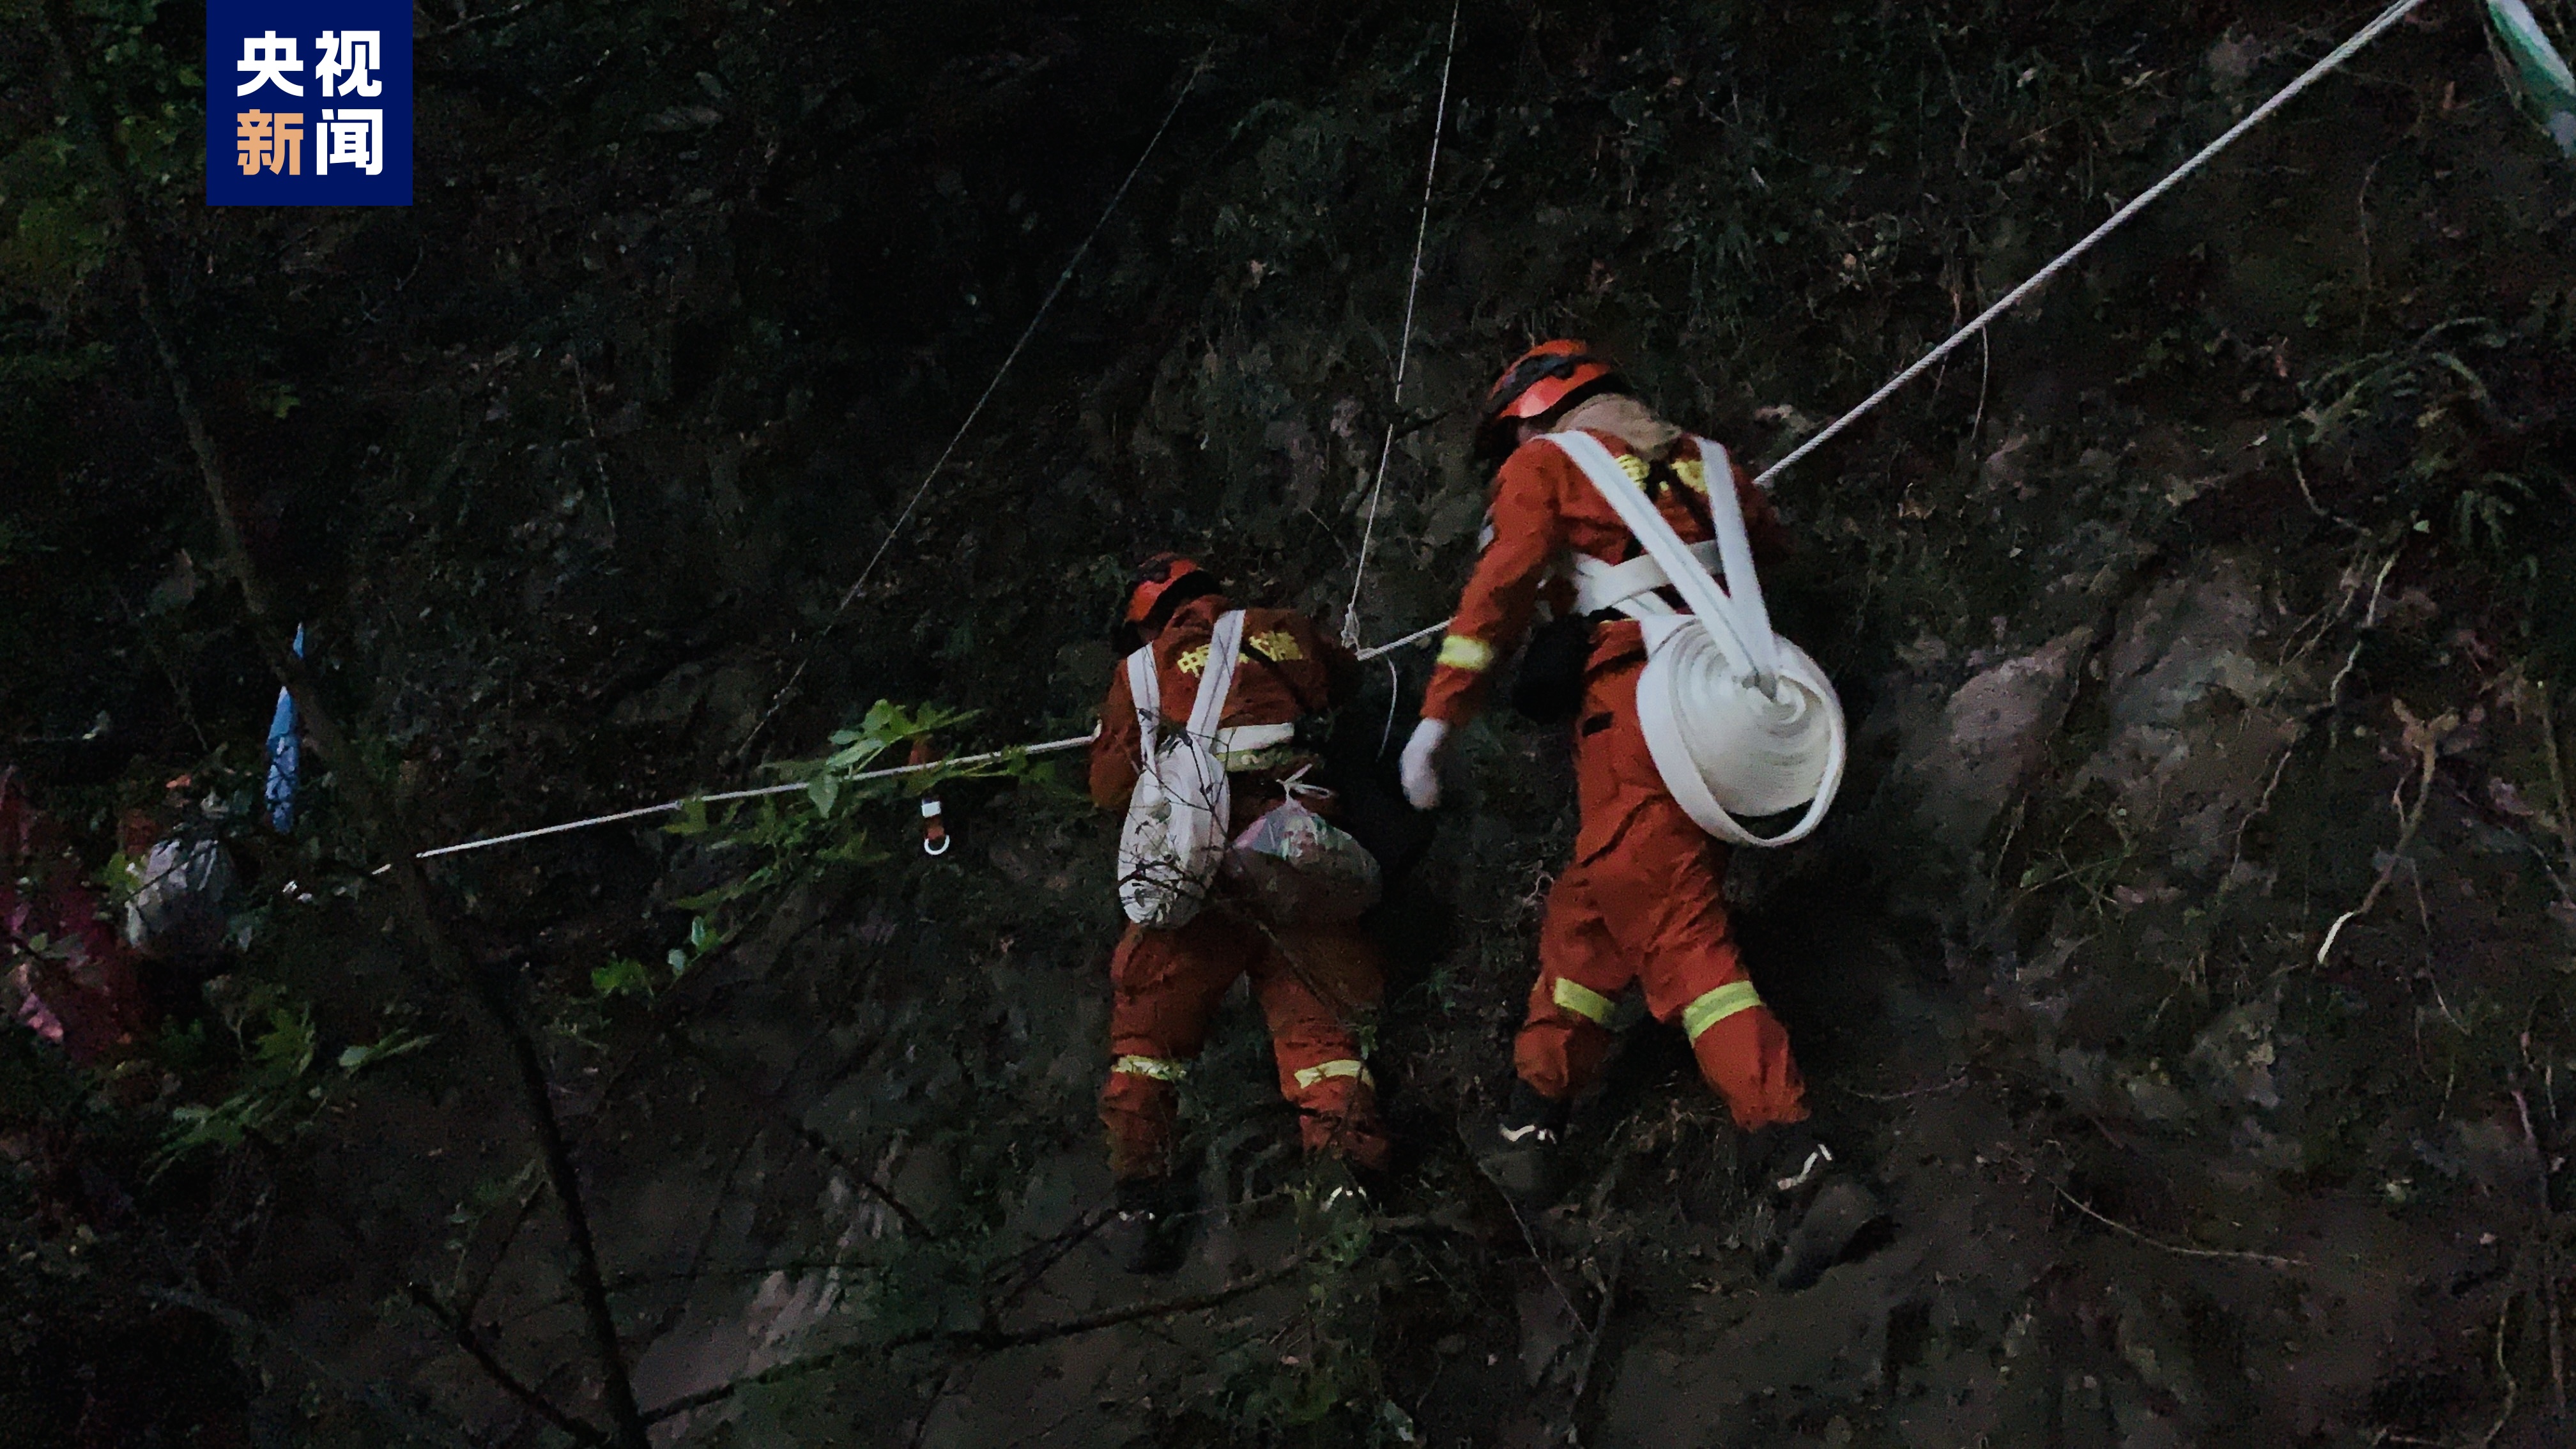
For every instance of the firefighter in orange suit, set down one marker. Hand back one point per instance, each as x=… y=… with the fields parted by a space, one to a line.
x=1313 y=980
x=1642 y=901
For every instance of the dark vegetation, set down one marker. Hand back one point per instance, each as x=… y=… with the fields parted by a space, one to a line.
x=2190 y=956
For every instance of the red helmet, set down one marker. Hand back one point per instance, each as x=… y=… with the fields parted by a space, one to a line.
x=1535 y=384
x=1160 y=584
x=1154 y=578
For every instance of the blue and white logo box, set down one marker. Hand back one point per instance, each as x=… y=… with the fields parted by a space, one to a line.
x=308 y=104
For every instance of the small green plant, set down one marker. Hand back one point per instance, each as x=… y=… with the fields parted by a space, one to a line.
x=790 y=840
x=622 y=976
x=278 y=1091
x=276 y=399
x=2081 y=857
x=627 y=976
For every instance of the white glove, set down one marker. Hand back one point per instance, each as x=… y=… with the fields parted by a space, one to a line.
x=1420 y=767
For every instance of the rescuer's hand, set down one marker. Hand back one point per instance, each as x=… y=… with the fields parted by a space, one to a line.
x=1420 y=768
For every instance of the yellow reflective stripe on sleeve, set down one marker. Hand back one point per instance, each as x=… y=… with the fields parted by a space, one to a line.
x=1307 y=1077
x=1693 y=473
x=1161 y=1069
x=1582 y=1000
x=1458 y=651
x=1717 y=1006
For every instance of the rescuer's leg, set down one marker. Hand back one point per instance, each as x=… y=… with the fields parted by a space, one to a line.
x=1316 y=984
x=1562 y=1042
x=1662 y=887
x=1165 y=988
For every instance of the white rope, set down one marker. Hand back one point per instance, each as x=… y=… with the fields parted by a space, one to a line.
x=788 y=689
x=2333 y=58
x=2341 y=53
x=1404 y=345
x=1047 y=747
x=1392 y=645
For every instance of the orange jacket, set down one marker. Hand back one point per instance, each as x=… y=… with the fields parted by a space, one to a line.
x=1289 y=669
x=1543 y=505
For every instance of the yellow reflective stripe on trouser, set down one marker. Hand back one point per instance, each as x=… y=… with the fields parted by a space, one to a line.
x=1717 y=1006
x=1161 y=1069
x=1459 y=651
x=1307 y=1077
x=1582 y=1000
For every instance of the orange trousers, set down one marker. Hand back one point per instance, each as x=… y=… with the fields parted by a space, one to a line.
x=1644 y=902
x=1313 y=984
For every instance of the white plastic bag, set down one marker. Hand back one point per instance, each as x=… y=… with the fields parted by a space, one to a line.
x=1297 y=867
x=1173 y=843
x=177 y=909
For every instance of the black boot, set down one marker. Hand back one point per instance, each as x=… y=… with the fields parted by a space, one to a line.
x=1521 y=1155
x=1784 y=1160
x=1150 y=1232
x=1828 y=1210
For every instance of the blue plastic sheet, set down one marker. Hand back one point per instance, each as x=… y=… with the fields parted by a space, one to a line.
x=285 y=754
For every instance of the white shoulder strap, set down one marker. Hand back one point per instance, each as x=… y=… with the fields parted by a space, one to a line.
x=1735 y=551
x=1145 y=685
x=1739 y=609
x=1629 y=587
x=1225 y=646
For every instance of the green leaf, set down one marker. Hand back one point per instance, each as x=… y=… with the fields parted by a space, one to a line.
x=692 y=819
x=393 y=1044
x=709 y=900
x=824 y=790
x=622 y=976
x=286 y=1048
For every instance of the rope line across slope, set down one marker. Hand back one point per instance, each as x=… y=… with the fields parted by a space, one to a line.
x=787 y=691
x=2140 y=202
x=1404 y=346
x=2379 y=26
x=1044 y=747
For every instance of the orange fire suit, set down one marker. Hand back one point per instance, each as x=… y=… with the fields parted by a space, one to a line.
x=1313 y=981
x=1643 y=899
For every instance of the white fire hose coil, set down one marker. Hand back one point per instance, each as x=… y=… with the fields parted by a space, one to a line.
x=1741 y=722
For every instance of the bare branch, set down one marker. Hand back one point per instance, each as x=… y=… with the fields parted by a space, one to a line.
x=990 y=1339
x=2425 y=739
x=378 y=811
x=460 y=1330
x=1049 y=1253
x=726 y=1073
x=472 y=22
x=2268 y=1260
x=410 y=1425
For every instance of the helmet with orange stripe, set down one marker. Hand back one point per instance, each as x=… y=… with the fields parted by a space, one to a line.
x=1539 y=382
x=1160 y=585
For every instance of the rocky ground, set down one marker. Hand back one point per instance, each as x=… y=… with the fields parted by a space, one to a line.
x=2187 y=955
